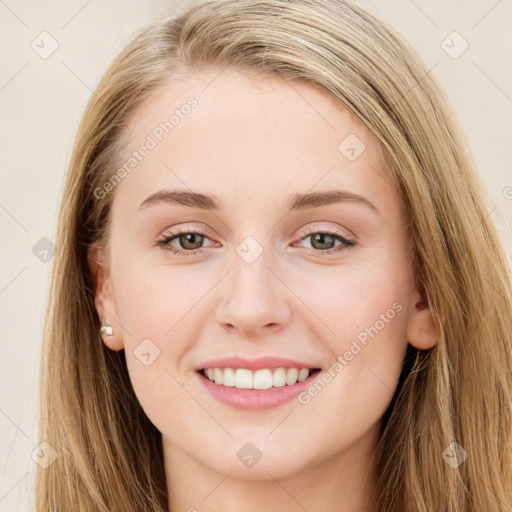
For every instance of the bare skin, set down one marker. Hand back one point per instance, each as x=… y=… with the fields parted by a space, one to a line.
x=252 y=142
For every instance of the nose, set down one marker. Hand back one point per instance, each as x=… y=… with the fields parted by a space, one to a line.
x=254 y=300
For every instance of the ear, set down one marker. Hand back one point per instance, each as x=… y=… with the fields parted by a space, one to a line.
x=103 y=296
x=422 y=330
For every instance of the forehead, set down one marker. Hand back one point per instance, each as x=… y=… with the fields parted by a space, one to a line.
x=233 y=134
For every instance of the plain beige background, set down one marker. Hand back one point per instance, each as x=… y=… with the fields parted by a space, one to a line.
x=42 y=100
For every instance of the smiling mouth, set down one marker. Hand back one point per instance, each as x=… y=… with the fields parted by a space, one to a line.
x=265 y=378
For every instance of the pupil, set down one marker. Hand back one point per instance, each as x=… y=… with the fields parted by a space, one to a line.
x=189 y=238
x=321 y=237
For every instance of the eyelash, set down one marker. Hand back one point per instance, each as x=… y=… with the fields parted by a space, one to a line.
x=164 y=243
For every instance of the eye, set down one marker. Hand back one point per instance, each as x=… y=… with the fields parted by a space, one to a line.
x=189 y=241
x=324 y=241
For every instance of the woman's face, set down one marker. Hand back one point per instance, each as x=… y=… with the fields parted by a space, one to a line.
x=303 y=258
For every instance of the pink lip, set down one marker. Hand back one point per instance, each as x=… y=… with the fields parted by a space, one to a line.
x=256 y=399
x=254 y=364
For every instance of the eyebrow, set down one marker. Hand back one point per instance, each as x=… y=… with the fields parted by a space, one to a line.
x=182 y=198
x=294 y=202
x=316 y=199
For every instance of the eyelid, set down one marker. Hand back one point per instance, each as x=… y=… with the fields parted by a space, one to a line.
x=310 y=230
x=180 y=229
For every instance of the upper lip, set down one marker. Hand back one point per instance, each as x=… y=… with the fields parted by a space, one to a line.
x=254 y=364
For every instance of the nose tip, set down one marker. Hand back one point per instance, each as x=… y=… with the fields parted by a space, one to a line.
x=253 y=298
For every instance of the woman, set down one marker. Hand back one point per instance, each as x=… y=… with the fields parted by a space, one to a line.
x=277 y=285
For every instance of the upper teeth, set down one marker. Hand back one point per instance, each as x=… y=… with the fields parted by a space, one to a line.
x=242 y=378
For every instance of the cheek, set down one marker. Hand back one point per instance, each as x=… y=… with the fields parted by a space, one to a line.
x=363 y=314
x=348 y=300
x=155 y=300
x=152 y=310
x=162 y=310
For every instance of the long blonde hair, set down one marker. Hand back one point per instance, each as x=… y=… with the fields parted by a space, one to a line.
x=110 y=455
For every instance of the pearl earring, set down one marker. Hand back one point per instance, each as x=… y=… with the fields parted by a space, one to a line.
x=106 y=329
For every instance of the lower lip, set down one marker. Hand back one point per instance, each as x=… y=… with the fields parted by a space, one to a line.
x=256 y=399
